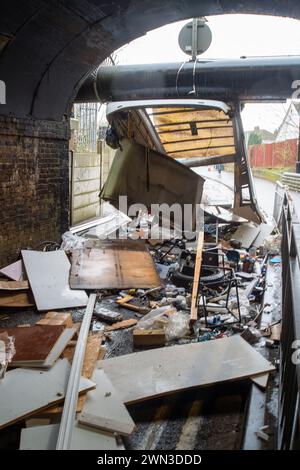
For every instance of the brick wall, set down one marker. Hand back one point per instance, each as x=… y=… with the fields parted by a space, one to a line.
x=34 y=184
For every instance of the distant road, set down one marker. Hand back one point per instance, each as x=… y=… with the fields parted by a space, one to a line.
x=265 y=190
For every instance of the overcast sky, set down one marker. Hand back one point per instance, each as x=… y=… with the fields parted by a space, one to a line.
x=233 y=36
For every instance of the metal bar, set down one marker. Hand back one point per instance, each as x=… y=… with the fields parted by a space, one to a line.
x=69 y=410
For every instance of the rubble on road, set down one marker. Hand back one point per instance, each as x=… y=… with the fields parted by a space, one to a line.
x=145 y=292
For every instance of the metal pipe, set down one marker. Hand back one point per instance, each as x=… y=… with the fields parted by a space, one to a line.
x=244 y=79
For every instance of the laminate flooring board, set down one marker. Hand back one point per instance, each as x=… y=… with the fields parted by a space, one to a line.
x=115 y=264
x=104 y=408
x=33 y=343
x=158 y=372
x=48 y=274
x=24 y=392
x=45 y=438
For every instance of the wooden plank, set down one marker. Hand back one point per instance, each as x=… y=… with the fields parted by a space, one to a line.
x=148 y=337
x=16 y=299
x=158 y=372
x=14 y=285
x=121 y=325
x=48 y=274
x=104 y=408
x=53 y=355
x=27 y=391
x=57 y=318
x=33 y=344
x=114 y=264
x=45 y=438
x=198 y=263
x=124 y=300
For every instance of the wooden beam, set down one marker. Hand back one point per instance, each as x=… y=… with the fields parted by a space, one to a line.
x=198 y=263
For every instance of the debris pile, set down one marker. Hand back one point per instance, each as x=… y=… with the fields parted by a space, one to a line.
x=173 y=298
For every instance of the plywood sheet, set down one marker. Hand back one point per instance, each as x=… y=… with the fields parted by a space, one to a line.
x=115 y=264
x=162 y=371
x=33 y=343
x=104 y=408
x=57 y=349
x=48 y=274
x=45 y=438
x=27 y=391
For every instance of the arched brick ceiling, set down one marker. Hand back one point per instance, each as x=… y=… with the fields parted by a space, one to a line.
x=47 y=47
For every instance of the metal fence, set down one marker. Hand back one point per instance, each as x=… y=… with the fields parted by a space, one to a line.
x=86 y=135
x=289 y=411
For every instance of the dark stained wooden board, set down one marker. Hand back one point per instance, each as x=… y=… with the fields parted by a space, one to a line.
x=35 y=342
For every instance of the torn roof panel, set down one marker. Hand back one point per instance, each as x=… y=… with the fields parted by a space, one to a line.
x=194 y=132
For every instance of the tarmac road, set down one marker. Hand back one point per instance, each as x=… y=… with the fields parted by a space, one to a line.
x=265 y=190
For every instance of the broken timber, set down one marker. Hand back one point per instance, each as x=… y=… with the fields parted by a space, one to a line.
x=198 y=263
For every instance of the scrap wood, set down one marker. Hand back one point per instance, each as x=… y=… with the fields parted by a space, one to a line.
x=113 y=264
x=136 y=308
x=57 y=318
x=162 y=371
x=45 y=438
x=48 y=275
x=124 y=300
x=197 y=272
x=4 y=317
x=104 y=408
x=14 y=285
x=33 y=344
x=29 y=391
x=155 y=337
x=121 y=325
x=16 y=299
